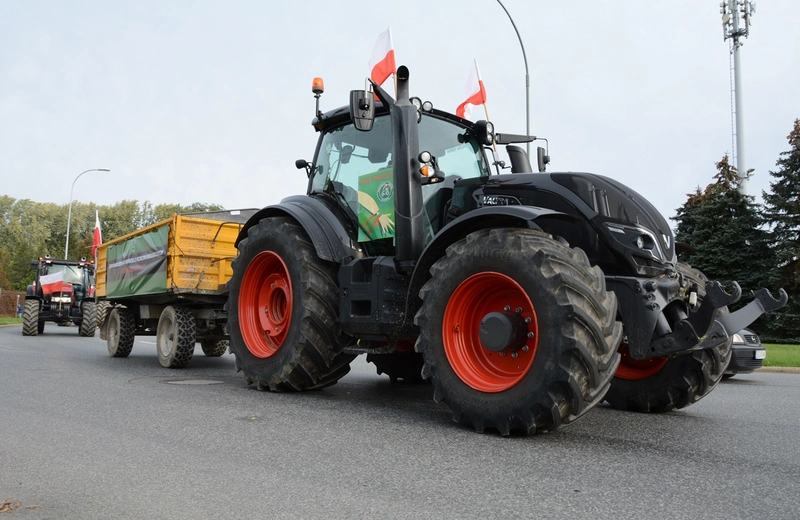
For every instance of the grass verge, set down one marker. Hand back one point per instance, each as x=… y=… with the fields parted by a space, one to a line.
x=782 y=355
x=6 y=320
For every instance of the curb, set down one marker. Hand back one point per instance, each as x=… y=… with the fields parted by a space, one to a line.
x=783 y=370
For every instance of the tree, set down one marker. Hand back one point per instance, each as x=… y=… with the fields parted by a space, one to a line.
x=782 y=212
x=725 y=229
x=30 y=229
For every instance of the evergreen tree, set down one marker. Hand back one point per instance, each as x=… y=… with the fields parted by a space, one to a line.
x=782 y=212
x=724 y=227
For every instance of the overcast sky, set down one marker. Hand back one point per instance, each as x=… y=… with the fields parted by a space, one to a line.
x=204 y=101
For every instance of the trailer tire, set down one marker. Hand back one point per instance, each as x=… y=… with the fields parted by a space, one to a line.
x=399 y=365
x=283 y=304
x=660 y=385
x=175 y=337
x=121 y=332
x=214 y=347
x=30 y=318
x=102 y=307
x=88 y=324
x=561 y=351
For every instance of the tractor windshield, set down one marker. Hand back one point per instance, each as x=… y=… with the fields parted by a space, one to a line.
x=72 y=274
x=358 y=166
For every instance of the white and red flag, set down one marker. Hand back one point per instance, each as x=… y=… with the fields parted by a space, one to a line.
x=52 y=282
x=382 y=64
x=475 y=93
x=98 y=237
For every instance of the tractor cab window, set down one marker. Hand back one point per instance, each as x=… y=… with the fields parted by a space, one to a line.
x=72 y=274
x=357 y=167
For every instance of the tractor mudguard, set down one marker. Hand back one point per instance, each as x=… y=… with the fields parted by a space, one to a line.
x=330 y=238
x=485 y=217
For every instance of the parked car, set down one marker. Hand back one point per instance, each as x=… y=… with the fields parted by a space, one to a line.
x=747 y=354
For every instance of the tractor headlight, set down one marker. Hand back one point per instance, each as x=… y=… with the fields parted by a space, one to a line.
x=485 y=132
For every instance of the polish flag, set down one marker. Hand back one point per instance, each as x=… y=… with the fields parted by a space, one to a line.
x=98 y=238
x=52 y=282
x=475 y=94
x=382 y=64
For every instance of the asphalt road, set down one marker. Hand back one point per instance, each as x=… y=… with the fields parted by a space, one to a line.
x=87 y=436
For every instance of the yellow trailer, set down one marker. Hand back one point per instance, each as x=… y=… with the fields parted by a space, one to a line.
x=168 y=280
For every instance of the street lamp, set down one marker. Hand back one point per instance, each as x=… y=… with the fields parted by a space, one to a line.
x=69 y=213
x=527 y=80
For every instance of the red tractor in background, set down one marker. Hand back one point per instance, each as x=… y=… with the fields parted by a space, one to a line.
x=62 y=292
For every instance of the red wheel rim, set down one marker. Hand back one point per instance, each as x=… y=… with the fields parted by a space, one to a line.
x=265 y=304
x=632 y=369
x=478 y=367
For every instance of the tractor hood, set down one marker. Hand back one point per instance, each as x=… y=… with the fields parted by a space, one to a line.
x=632 y=226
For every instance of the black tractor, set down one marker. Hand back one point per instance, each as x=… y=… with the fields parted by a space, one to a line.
x=525 y=297
x=63 y=292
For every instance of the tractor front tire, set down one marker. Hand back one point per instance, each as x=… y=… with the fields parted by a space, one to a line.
x=30 y=318
x=660 y=385
x=564 y=354
x=283 y=305
x=214 y=347
x=88 y=324
x=121 y=332
x=175 y=337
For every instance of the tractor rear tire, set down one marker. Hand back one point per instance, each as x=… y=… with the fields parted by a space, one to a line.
x=283 y=305
x=560 y=309
x=660 y=385
x=30 y=318
x=214 y=347
x=121 y=332
x=88 y=324
x=176 y=336
x=399 y=365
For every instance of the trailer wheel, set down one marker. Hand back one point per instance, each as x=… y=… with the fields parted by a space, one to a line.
x=214 y=347
x=659 y=384
x=175 y=337
x=518 y=331
x=101 y=307
x=88 y=320
x=399 y=365
x=283 y=304
x=30 y=318
x=121 y=332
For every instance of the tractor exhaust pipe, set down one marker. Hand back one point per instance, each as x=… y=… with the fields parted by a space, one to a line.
x=408 y=188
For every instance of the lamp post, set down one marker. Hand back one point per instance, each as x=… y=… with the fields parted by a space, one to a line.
x=527 y=80
x=69 y=213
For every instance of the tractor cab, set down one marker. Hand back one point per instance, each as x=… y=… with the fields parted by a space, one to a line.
x=356 y=168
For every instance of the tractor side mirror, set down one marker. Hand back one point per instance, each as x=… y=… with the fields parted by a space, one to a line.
x=34 y=264
x=542 y=158
x=302 y=164
x=362 y=109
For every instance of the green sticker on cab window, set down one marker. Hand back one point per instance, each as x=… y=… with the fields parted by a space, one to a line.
x=376 y=205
